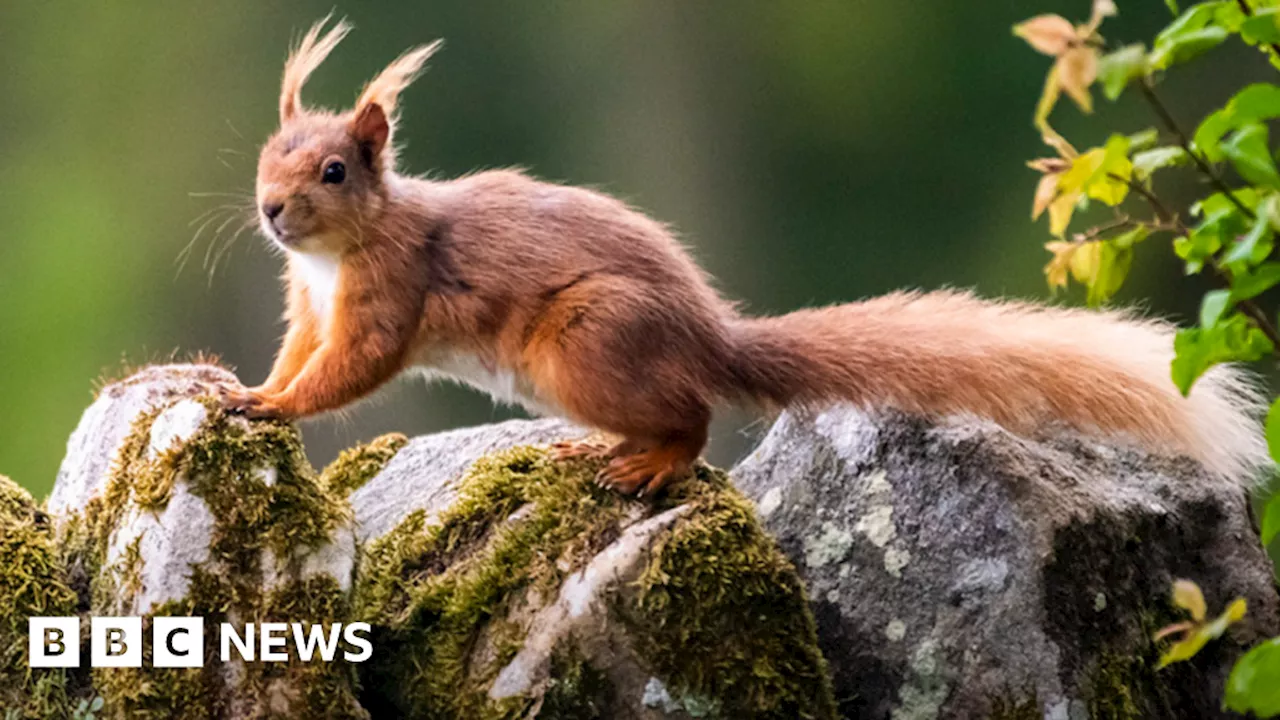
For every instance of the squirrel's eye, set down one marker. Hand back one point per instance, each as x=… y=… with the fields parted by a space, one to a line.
x=334 y=173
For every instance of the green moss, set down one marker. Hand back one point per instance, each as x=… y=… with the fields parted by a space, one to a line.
x=1112 y=687
x=326 y=686
x=32 y=584
x=576 y=691
x=436 y=589
x=433 y=587
x=716 y=572
x=1015 y=708
x=356 y=466
x=1124 y=683
x=265 y=500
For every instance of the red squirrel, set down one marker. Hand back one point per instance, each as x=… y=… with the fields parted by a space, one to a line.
x=571 y=303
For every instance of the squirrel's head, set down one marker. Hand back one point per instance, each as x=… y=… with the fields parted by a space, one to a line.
x=322 y=175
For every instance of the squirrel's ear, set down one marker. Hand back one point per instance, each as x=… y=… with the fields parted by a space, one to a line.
x=304 y=59
x=371 y=130
x=373 y=120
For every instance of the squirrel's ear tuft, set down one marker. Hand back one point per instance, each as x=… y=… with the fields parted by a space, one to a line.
x=371 y=130
x=383 y=91
x=305 y=57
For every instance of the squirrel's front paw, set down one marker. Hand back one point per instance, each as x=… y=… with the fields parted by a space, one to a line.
x=249 y=402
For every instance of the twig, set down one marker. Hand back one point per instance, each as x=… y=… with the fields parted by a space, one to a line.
x=1172 y=125
x=1122 y=222
x=1163 y=214
x=1259 y=316
x=1170 y=220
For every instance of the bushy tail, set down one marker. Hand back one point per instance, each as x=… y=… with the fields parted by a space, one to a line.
x=1025 y=366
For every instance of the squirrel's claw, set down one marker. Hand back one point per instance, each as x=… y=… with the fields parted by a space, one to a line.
x=248 y=402
x=641 y=474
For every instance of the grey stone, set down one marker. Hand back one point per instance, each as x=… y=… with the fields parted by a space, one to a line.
x=107 y=422
x=423 y=474
x=979 y=557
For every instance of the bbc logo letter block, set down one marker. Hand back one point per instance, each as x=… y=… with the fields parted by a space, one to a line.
x=116 y=642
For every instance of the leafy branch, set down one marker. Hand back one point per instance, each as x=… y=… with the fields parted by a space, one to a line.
x=1231 y=231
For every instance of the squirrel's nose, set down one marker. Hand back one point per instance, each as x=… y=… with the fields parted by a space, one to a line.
x=272 y=209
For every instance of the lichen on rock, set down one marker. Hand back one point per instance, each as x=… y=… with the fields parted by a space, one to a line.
x=993 y=574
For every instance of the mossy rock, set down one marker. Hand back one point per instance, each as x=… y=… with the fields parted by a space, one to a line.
x=513 y=589
x=958 y=570
x=206 y=514
x=537 y=591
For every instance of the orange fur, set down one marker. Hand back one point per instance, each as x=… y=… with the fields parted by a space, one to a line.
x=570 y=302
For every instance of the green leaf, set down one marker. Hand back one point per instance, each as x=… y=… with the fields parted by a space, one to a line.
x=1248 y=152
x=1147 y=162
x=1201 y=28
x=1271 y=515
x=1128 y=239
x=1143 y=139
x=1173 y=6
x=1212 y=307
x=1262 y=28
x=1254 y=685
x=1116 y=69
x=1218 y=203
x=1222 y=224
x=1195 y=18
x=1198 y=349
x=1113 y=267
x=1255 y=246
x=1255 y=103
x=1249 y=284
x=1196 y=249
x=1187 y=47
x=1273 y=432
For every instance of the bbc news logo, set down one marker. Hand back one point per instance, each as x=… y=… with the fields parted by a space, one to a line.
x=178 y=642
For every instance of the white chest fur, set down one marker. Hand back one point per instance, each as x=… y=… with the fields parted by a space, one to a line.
x=503 y=385
x=320 y=273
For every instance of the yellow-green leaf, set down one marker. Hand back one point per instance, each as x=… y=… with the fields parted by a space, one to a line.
x=1187 y=595
x=1055 y=272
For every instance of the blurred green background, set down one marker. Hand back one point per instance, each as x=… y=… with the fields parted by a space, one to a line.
x=809 y=152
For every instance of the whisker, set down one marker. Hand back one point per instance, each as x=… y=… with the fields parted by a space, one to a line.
x=214 y=241
x=206 y=213
x=185 y=254
x=226 y=247
x=241 y=195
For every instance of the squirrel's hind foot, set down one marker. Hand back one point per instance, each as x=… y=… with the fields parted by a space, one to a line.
x=646 y=472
